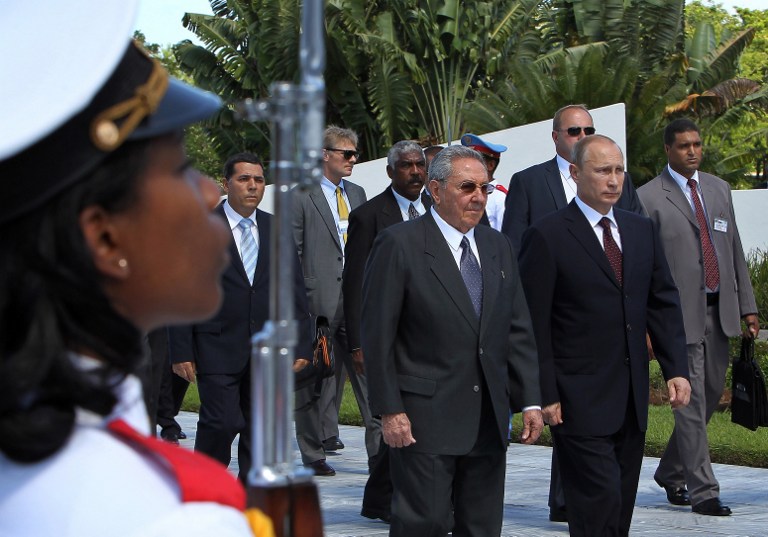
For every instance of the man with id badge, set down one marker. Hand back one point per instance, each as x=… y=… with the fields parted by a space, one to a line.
x=320 y=224
x=693 y=212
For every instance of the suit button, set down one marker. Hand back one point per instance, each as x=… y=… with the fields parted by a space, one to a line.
x=338 y=259
x=629 y=327
x=481 y=351
x=338 y=279
x=626 y=360
x=475 y=389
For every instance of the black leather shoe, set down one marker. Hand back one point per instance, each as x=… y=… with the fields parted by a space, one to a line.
x=333 y=443
x=712 y=507
x=172 y=437
x=558 y=515
x=675 y=495
x=321 y=468
x=374 y=514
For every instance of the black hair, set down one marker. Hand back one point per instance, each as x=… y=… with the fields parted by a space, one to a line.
x=676 y=126
x=229 y=166
x=53 y=304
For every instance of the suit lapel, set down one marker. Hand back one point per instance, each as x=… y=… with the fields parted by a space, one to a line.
x=579 y=228
x=555 y=184
x=321 y=204
x=676 y=197
x=356 y=196
x=390 y=210
x=490 y=267
x=443 y=266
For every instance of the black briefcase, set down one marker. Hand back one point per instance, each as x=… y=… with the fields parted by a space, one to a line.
x=749 y=399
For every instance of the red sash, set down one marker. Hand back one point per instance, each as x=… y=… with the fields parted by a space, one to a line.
x=200 y=478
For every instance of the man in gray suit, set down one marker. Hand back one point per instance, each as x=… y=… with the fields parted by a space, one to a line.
x=320 y=222
x=694 y=214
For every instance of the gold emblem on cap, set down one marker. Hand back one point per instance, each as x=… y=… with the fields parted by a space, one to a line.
x=106 y=135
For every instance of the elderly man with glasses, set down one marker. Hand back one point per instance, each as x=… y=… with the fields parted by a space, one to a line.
x=448 y=348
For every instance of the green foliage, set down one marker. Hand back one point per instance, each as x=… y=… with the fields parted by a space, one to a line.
x=757 y=261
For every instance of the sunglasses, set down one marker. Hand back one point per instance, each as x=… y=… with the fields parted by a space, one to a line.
x=469 y=187
x=575 y=131
x=348 y=153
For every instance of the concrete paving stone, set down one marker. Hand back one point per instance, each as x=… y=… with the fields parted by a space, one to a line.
x=744 y=489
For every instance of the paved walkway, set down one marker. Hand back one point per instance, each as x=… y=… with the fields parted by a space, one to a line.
x=745 y=490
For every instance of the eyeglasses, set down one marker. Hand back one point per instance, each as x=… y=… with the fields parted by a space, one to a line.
x=348 y=153
x=575 y=131
x=469 y=187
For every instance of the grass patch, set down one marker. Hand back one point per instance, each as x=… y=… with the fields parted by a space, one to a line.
x=728 y=443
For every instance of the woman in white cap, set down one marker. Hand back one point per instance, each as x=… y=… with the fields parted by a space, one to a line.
x=106 y=232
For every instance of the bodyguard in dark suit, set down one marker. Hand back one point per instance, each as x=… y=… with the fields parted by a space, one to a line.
x=449 y=349
x=547 y=187
x=402 y=201
x=596 y=279
x=694 y=214
x=217 y=353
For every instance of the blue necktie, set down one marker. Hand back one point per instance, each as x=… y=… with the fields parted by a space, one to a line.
x=473 y=276
x=248 y=249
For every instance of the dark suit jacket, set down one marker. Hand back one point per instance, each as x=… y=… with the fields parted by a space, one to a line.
x=425 y=346
x=538 y=191
x=222 y=344
x=590 y=332
x=365 y=223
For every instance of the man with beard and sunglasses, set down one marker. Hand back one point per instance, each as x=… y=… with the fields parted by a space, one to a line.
x=449 y=348
x=403 y=200
x=543 y=189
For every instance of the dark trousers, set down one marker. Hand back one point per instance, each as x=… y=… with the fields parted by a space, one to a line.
x=225 y=412
x=173 y=388
x=377 y=496
x=427 y=487
x=556 y=494
x=600 y=476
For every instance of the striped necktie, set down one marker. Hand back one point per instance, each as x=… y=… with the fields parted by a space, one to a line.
x=249 y=251
x=413 y=214
x=711 y=270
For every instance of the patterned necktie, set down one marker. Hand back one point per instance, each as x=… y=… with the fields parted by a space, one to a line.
x=342 y=207
x=612 y=250
x=249 y=252
x=413 y=214
x=711 y=272
x=473 y=277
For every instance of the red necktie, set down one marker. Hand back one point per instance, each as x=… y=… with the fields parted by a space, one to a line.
x=711 y=272
x=612 y=250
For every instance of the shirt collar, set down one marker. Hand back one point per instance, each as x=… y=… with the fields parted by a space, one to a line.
x=564 y=166
x=404 y=203
x=233 y=217
x=681 y=181
x=452 y=235
x=594 y=217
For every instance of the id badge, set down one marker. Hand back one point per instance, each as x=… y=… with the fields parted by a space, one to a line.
x=343 y=226
x=721 y=225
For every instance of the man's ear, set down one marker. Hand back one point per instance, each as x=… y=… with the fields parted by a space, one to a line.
x=101 y=236
x=574 y=171
x=434 y=191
